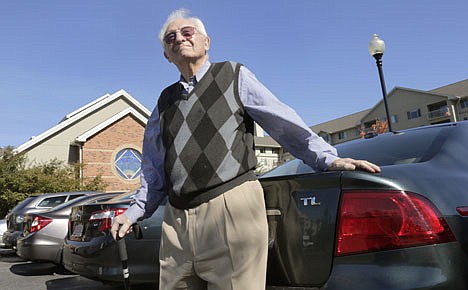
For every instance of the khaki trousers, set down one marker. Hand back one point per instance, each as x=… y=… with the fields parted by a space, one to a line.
x=219 y=245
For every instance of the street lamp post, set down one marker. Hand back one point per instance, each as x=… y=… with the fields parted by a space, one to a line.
x=377 y=49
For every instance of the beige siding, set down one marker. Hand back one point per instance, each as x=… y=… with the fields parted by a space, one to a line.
x=399 y=103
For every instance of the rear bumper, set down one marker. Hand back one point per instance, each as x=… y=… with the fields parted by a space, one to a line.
x=442 y=266
x=9 y=239
x=36 y=248
x=99 y=260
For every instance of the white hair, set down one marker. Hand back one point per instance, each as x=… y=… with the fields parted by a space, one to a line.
x=181 y=13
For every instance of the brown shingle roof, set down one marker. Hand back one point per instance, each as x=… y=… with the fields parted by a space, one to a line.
x=456 y=89
x=340 y=124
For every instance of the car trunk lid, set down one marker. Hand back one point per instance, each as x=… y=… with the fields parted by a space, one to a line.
x=81 y=228
x=302 y=215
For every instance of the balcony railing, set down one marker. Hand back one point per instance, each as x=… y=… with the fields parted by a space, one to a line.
x=443 y=112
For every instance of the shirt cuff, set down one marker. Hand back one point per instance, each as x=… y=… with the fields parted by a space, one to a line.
x=328 y=160
x=134 y=212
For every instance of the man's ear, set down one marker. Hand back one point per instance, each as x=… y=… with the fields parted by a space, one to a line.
x=207 y=44
x=167 y=57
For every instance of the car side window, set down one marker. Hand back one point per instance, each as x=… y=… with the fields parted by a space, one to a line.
x=52 y=201
x=74 y=196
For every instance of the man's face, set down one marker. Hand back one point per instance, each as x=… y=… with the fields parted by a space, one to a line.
x=185 y=49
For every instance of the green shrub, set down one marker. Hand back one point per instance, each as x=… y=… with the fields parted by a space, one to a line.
x=18 y=181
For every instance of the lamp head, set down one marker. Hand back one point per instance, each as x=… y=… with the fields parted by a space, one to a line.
x=376 y=46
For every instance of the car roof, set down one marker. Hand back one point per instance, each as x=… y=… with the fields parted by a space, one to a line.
x=81 y=200
x=125 y=195
x=31 y=201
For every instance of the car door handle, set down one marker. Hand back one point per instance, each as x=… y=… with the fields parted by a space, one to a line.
x=273 y=212
x=272 y=216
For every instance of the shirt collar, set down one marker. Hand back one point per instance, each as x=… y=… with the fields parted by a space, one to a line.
x=199 y=74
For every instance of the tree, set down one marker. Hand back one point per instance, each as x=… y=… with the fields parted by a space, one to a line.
x=17 y=181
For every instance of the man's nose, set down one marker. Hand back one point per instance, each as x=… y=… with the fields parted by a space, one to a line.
x=179 y=38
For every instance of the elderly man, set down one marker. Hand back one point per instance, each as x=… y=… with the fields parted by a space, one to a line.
x=198 y=149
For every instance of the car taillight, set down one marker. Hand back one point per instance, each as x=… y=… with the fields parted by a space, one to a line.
x=463 y=210
x=373 y=221
x=39 y=223
x=106 y=217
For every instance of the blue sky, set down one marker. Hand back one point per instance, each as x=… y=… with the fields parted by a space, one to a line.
x=56 y=56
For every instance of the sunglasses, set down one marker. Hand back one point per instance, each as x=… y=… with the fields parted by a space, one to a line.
x=187 y=32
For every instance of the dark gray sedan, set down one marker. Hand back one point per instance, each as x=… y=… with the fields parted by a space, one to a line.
x=405 y=228
x=90 y=250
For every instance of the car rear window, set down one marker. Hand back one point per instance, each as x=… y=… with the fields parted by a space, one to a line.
x=52 y=201
x=412 y=146
x=70 y=202
x=84 y=199
x=73 y=196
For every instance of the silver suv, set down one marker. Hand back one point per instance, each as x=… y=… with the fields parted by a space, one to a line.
x=34 y=204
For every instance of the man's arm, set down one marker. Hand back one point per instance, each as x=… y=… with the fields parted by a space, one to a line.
x=285 y=126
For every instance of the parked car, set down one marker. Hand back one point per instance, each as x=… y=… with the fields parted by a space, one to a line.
x=43 y=233
x=3 y=228
x=33 y=204
x=89 y=249
x=404 y=228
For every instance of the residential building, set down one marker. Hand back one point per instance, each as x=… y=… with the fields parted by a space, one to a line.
x=341 y=129
x=408 y=108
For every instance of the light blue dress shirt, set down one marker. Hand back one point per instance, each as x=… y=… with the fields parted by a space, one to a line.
x=280 y=121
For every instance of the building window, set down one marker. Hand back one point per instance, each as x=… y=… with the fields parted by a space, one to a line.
x=275 y=151
x=464 y=103
x=324 y=137
x=262 y=150
x=128 y=163
x=342 y=135
x=74 y=154
x=394 y=119
x=413 y=114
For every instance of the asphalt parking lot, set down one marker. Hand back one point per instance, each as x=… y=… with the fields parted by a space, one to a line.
x=18 y=274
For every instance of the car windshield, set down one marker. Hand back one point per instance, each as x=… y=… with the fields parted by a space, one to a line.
x=412 y=146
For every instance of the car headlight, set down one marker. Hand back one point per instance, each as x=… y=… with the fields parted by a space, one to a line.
x=19 y=219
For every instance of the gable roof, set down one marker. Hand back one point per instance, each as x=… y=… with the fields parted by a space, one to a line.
x=85 y=111
x=459 y=89
x=266 y=141
x=340 y=124
x=83 y=137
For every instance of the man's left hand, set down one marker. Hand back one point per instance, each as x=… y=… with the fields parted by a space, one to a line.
x=352 y=164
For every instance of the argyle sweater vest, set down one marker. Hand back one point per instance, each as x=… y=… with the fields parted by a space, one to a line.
x=207 y=136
